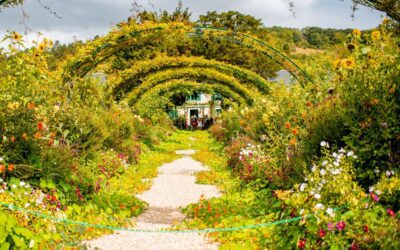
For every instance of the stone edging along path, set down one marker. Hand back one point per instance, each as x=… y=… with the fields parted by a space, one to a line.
x=174 y=187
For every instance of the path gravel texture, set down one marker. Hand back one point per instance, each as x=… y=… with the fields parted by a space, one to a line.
x=173 y=188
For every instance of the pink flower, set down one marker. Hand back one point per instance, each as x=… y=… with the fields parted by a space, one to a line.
x=390 y=212
x=374 y=197
x=330 y=226
x=341 y=225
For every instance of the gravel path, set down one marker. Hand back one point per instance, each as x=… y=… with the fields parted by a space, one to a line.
x=174 y=187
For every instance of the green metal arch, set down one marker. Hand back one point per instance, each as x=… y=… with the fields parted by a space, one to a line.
x=173 y=85
x=200 y=75
x=74 y=69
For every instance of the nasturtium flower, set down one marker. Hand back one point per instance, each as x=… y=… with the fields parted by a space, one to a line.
x=40 y=126
x=38 y=135
x=295 y=131
x=2 y=168
x=287 y=125
x=10 y=167
x=31 y=105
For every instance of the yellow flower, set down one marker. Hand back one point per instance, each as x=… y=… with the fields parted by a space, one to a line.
x=376 y=35
x=41 y=47
x=16 y=36
x=356 y=32
x=337 y=64
x=13 y=105
x=348 y=63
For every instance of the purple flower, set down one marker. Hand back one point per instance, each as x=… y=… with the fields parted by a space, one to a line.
x=341 y=225
x=374 y=196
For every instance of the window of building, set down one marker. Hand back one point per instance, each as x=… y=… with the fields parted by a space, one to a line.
x=194 y=97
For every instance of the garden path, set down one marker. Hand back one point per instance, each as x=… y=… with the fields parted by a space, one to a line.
x=174 y=187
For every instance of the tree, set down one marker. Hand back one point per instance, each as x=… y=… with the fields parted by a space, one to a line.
x=231 y=20
x=390 y=7
x=10 y=3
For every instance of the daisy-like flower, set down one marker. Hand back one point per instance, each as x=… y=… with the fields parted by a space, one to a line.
x=314 y=168
x=322 y=172
x=350 y=153
x=302 y=186
x=13 y=186
x=16 y=36
x=330 y=212
x=319 y=206
x=317 y=196
x=324 y=163
x=323 y=144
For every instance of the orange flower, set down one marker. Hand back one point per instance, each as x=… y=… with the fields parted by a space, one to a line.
x=304 y=115
x=12 y=139
x=287 y=125
x=295 y=131
x=308 y=104
x=294 y=119
x=40 y=126
x=2 y=168
x=31 y=105
x=10 y=167
x=53 y=135
x=374 y=101
x=38 y=135
x=25 y=136
x=292 y=142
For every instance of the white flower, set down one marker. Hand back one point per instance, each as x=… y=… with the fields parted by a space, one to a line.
x=27 y=205
x=1 y=191
x=336 y=164
x=378 y=192
x=371 y=189
x=1 y=179
x=322 y=172
x=335 y=155
x=330 y=212
x=317 y=196
x=302 y=187
x=336 y=171
x=350 y=153
x=1 y=159
x=22 y=183
x=392 y=172
x=323 y=181
x=319 y=206
x=324 y=163
x=355 y=156
x=31 y=244
x=341 y=150
x=389 y=173
x=376 y=171
x=323 y=144
x=301 y=212
x=314 y=168
x=13 y=186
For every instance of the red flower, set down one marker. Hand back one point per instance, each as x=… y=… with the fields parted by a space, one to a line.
x=321 y=233
x=390 y=212
x=341 y=225
x=287 y=125
x=40 y=126
x=301 y=244
x=2 y=168
x=308 y=104
x=295 y=131
x=354 y=246
x=365 y=228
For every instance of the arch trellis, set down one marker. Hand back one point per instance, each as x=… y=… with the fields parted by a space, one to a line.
x=133 y=82
x=174 y=85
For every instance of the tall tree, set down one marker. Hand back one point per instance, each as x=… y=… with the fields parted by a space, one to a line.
x=390 y=7
x=231 y=20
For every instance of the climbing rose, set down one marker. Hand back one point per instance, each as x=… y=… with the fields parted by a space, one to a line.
x=341 y=225
x=301 y=243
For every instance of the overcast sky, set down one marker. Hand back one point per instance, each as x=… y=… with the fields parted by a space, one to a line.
x=83 y=19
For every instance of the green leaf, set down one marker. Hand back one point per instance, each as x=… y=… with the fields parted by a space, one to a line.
x=24 y=232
